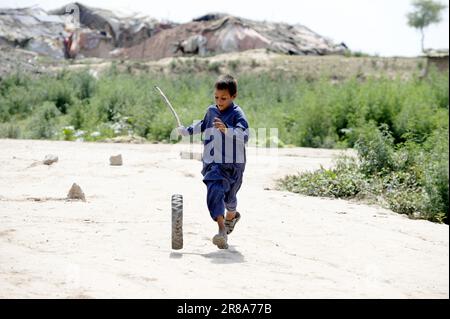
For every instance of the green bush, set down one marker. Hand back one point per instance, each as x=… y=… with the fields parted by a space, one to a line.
x=375 y=149
x=409 y=178
x=43 y=124
x=9 y=130
x=60 y=92
x=436 y=175
x=68 y=133
x=4 y=110
x=78 y=116
x=317 y=113
x=13 y=80
x=343 y=181
x=405 y=201
x=437 y=84
x=84 y=85
x=18 y=102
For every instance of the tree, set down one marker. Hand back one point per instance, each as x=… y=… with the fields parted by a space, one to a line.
x=426 y=12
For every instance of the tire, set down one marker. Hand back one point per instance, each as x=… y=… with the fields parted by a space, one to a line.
x=177 y=221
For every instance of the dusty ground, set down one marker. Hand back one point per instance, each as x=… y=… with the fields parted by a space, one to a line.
x=117 y=243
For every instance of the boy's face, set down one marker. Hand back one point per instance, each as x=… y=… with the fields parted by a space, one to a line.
x=223 y=99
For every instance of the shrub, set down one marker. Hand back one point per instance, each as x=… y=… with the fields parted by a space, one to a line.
x=343 y=181
x=84 y=85
x=9 y=130
x=43 y=123
x=375 y=150
x=410 y=179
x=436 y=175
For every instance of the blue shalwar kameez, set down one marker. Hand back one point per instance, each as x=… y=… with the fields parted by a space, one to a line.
x=224 y=157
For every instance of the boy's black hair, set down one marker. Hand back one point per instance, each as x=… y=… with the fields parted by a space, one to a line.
x=227 y=82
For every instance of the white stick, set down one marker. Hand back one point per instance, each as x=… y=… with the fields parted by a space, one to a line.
x=169 y=105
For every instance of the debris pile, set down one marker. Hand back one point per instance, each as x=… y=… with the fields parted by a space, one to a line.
x=93 y=32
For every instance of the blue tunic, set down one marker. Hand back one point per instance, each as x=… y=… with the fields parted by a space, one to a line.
x=224 y=156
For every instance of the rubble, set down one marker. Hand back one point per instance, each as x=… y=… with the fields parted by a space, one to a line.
x=32 y=29
x=76 y=193
x=50 y=159
x=216 y=33
x=124 y=30
x=116 y=160
x=100 y=31
x=104 y=34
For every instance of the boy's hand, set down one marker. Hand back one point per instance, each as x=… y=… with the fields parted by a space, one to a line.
x=181 y=130
x=218 y=124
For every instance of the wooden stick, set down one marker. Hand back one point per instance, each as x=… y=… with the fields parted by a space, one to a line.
x=169 y=105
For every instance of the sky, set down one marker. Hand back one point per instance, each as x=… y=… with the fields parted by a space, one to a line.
x=371 y=26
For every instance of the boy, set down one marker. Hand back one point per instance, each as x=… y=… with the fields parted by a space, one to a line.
x=226 y=132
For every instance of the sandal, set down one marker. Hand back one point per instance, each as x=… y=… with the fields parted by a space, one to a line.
x=220 y=240
x=229 y=224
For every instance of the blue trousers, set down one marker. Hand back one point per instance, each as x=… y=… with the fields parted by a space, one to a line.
x=223 y=181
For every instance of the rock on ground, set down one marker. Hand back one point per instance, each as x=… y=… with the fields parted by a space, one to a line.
x=116 y=160
x=75 y=192
x=50 y=159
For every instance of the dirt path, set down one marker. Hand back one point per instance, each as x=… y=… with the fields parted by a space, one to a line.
x=117 y=243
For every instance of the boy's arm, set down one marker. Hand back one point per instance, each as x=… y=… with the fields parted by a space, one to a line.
x=195 y=128
x=240 y=130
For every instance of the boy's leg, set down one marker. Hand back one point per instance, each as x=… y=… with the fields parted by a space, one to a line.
x=232 y=216
x=216 y=187
x=221 y=224
x=221 y=239
x=230 y=198
x=215 y=198
x=215 y=201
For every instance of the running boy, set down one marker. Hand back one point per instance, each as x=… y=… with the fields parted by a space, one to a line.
x=225 y=129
